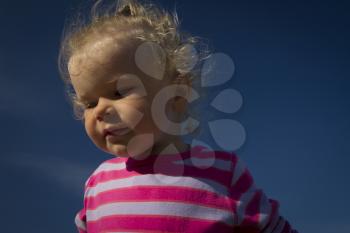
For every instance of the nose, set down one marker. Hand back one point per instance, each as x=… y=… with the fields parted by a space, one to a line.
x=103 y=109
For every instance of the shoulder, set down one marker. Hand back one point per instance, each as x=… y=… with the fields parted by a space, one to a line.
x=230 y=164
x=214 y=164
x=106 y=166
x=223 y=160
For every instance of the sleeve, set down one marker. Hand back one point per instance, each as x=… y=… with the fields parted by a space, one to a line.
x=80 y=218
x=80 y=221
x=253 y=211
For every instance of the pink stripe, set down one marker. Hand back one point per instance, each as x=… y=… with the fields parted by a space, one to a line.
x=116 y=160
x=196 y=152
x=286 y=228
x=244 y=182
x=234 y=158
x=274 y=205
x=274 y=212
x=217 y=154
x=212 y=173
x=81 y=231
x=220 y=176
x=252 y=210
x=156 y=223
x=156 y=193
x=82 y=215
x=246 y=229
x=110 y=175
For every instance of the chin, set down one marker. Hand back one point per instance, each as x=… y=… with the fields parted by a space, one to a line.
x=116 y=150
x=121 y=150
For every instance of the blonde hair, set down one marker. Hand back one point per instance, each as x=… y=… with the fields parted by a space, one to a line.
x=131 y=19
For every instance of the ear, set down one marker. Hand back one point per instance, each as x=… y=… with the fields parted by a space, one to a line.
x=183 y=91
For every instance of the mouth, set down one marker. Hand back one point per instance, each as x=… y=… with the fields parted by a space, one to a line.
x=115 y=132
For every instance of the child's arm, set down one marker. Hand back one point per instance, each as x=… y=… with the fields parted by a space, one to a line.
x=80 y=221
x=253 y=211
x=80 y=218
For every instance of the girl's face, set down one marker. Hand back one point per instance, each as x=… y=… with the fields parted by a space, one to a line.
x=117 y=99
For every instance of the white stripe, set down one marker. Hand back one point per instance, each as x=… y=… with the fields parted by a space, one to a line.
x=280 y=226
x=80 y=224
x=243 y=202
x=265 y=211
x=160 y=208
x=87 y=181
x=155 y=179
x=273 y=223
x=238 y=171
x=104 y=167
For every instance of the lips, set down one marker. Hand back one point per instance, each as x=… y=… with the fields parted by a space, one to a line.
x=115 y=131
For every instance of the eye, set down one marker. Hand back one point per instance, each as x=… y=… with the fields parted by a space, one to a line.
x=118 y=94
x=121 y=93
x=90 y=105
x=83 y=104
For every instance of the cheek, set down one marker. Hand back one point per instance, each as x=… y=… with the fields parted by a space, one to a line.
x=146 y=122
x=90 y=128
x=133 y=111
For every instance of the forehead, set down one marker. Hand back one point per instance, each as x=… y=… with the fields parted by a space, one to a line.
x=100 y=57
x=101 y=62
x=97 y=63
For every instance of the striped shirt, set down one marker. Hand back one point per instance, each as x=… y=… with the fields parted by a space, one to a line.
x=194 y=191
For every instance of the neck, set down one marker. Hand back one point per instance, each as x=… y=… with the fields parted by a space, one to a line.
x=175 y=145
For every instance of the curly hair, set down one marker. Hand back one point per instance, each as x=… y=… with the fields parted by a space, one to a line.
x=129 y=19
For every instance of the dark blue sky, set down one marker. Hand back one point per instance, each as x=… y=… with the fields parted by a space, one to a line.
x=292 y=62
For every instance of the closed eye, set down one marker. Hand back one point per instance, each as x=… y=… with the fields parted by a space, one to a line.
x=122 y=93
x=90 y=105
x=118 y=94
x=83 y=104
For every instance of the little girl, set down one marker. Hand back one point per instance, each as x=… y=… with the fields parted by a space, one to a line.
x=129 y=74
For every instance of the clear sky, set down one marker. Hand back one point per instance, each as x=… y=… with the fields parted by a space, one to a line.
x=292 y=62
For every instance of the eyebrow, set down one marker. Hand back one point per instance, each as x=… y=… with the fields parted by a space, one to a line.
x=114 y=79
x=79 y=101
